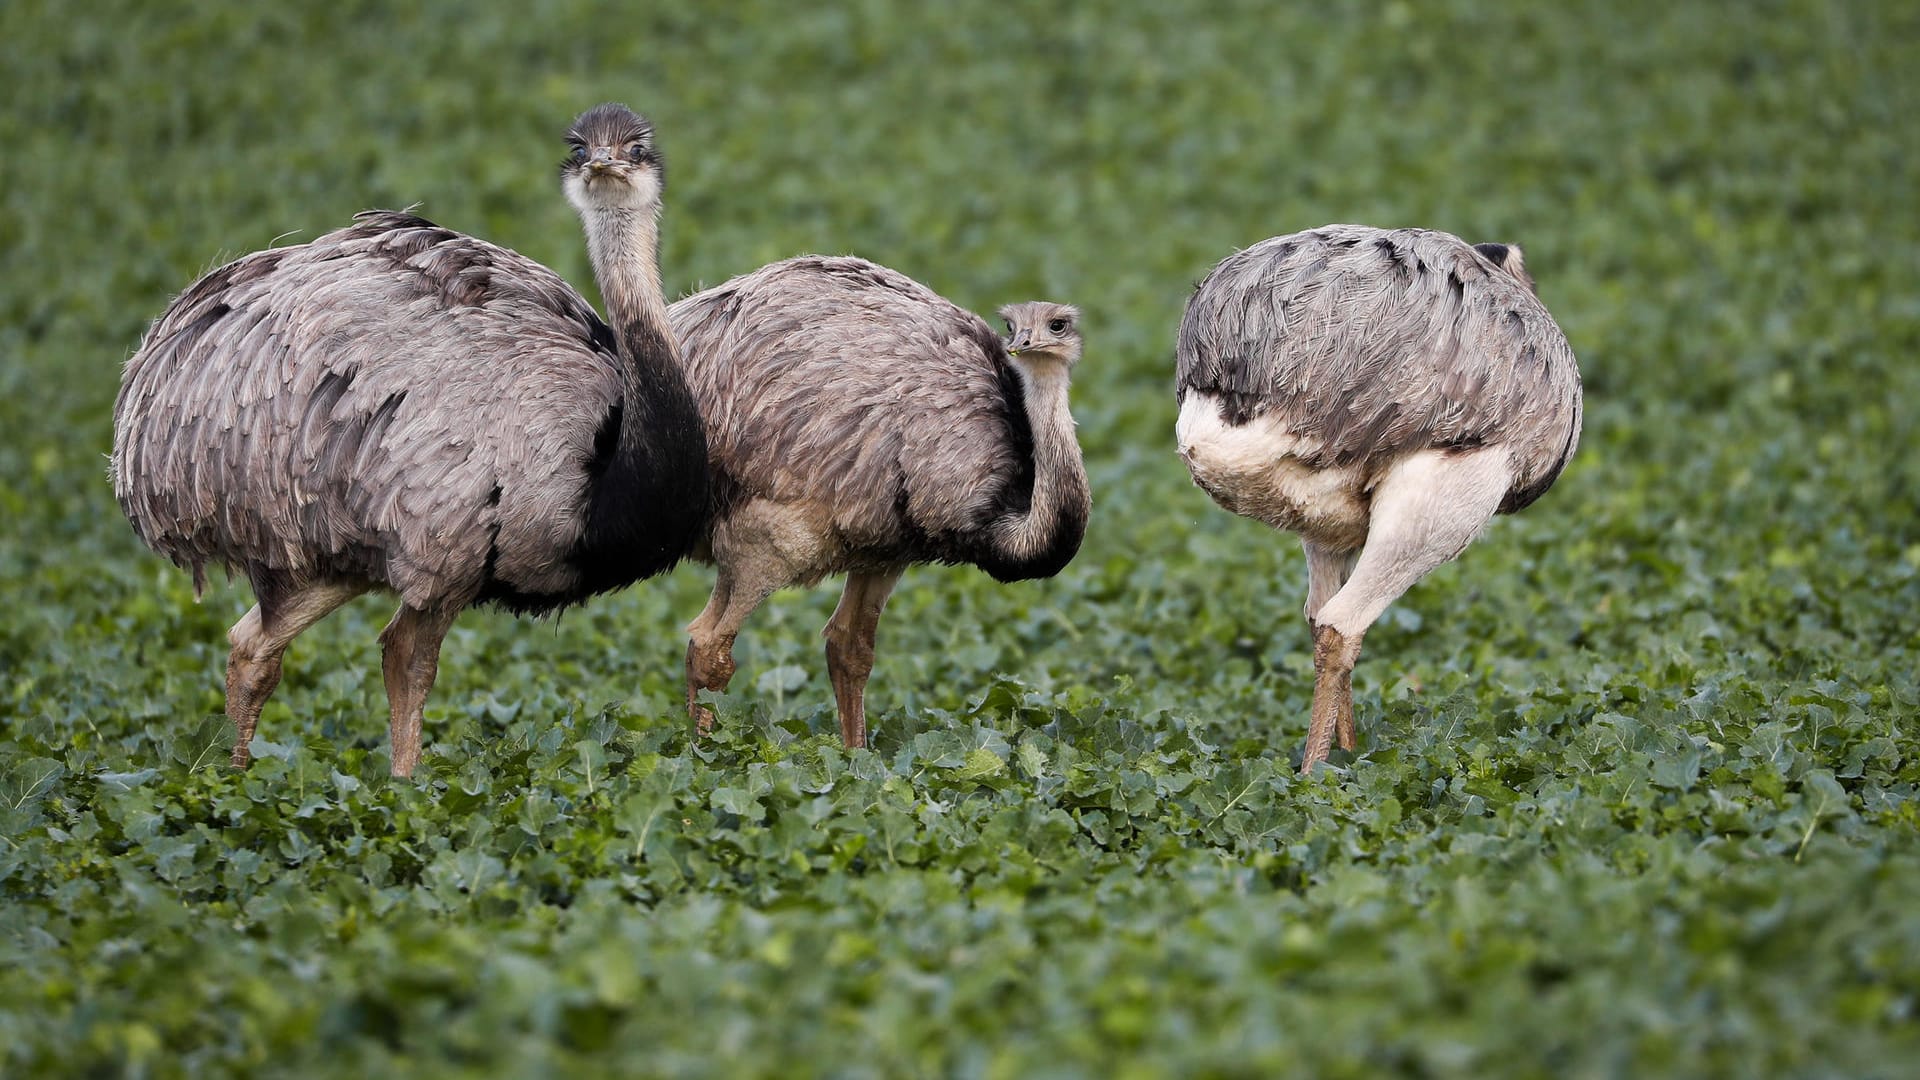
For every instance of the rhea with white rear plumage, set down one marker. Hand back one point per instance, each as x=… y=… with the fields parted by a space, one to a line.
x=858 y=422
x=396 y=406
x=1381 y=393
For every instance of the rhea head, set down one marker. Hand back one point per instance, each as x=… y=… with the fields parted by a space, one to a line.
x=1038 y=331
x=611 y=161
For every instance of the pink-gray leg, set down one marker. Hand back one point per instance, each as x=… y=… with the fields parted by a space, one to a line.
x=710 y=637
x=702 y=668
x=1327 y=572
x=1425 y=511
x=259 y=640
x=850 y=635
x=410 y=660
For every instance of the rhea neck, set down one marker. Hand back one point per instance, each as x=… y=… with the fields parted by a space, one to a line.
x=1044 y=538
x=645 y=498
x=624 y=244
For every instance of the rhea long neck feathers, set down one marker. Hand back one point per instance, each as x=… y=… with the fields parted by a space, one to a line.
x=624 y=244
x=1061 y=499
x=658 y=466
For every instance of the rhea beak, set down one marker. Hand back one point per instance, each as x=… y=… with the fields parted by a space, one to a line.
x=602 y=159
x=1021 y=342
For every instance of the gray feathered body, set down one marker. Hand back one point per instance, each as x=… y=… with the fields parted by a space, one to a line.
x=890 y=422
x=401 y=405
x=1381 y=393
x=1356 y=347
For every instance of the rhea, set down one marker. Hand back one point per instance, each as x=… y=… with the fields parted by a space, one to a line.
x=1382 y=394
x=399 y=407
x=858 y=422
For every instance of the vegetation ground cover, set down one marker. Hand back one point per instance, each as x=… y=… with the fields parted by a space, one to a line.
x=1636 y=790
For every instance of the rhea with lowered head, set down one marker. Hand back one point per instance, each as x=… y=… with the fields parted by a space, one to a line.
x=397 y=406
x=858 y=422
x=1381 y=393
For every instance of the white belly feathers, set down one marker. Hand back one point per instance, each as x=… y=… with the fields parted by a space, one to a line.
x=1255 y=470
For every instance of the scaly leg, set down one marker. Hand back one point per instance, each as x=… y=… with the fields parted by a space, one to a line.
x=701 y=629
x=1334 y=655
x=1425 y=511
x=1345 y=730
x=736 y=593
x=259 y=640
x=1327 y=572
x=410 y=659
x=850 y=637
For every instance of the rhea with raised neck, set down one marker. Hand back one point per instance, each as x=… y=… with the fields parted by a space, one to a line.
x=614 y=177
x=429 y=414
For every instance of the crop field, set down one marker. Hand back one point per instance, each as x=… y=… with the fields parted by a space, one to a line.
x=1636 y=791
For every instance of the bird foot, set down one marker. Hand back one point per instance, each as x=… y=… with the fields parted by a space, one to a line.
x=1333 y=659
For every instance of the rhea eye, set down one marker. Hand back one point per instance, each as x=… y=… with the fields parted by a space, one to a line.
x=1009 y=327
x=1058 y=326
x=637 y=151
x=578 y=153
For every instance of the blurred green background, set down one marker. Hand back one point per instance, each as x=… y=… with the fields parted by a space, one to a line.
x=1636 y=793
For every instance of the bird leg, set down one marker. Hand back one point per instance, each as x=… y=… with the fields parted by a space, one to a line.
x=850 y=637
x=259 y=640
x=1327 y=570
x=410 y=659
x=704 y=671
x=1343 y=725
x=710 y=666
x=1425 y=511
x=710 y=637
x=252 y=674
x=1334 y=655
x=1327 y=573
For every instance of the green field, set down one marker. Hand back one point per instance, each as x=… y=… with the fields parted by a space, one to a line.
x=1636 y=793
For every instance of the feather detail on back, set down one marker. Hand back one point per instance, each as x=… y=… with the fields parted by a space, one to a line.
x=854 y=389
x=393 y=402
x=1367 y=345
x=857 y=421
